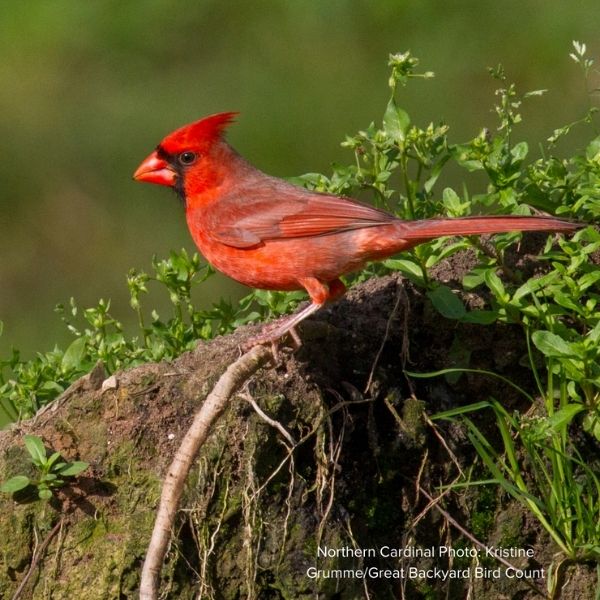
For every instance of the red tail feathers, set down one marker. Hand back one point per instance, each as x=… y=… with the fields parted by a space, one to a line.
x=432 y=228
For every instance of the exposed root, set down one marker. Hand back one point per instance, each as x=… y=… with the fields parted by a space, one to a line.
x=449 y=521
x=356 y=545
x=442 y=441
x=250 y=493
x=328 y=469
x=401 y=295
x=205 y=537
x=251 y=536
x=288 y=512
x=214 y=405
x=435 y=502
x=328 y=436
x=272 y=422
x=37 y=556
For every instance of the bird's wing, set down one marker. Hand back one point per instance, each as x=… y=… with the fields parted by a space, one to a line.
x=279 y=211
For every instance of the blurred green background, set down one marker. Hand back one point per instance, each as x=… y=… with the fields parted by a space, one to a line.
x=87 y=89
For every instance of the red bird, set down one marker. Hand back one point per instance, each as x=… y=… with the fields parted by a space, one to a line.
x=267 y=233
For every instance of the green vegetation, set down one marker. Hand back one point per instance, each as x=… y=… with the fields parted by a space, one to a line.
x=26 y=386
x=401 y=166
x=52 y=470
x=86 y=91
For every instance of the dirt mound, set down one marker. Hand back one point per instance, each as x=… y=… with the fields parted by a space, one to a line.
x=257 y=519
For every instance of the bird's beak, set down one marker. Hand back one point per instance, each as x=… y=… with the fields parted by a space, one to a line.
x=156 y=170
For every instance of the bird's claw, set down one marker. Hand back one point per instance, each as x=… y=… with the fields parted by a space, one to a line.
x=273 y=335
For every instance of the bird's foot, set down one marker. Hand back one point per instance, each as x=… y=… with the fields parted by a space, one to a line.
x=275 y=334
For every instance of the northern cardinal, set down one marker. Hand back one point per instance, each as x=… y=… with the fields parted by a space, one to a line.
x=267 y=233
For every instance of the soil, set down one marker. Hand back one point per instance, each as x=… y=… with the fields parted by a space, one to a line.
x=256 y=521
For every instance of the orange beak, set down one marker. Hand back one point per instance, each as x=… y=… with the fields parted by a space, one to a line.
x=156 y=170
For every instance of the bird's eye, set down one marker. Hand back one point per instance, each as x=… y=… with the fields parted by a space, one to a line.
x=187 y=158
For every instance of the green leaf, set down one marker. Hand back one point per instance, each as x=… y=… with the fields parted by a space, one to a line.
x=593 y=149
x=74 y=468
x=562 y=417
x=453 y=204
x=519 y=151
x=451 y=201
x=36 y=449
x=408 y=267
x=53 y=458
x=465 y=157
x=74 y=354
x=446 y=302
x=574 y=368
x=594 y=334
x=52 y=386
x=552 y=345
x=565 y=301
x=533 y=285
x=8 y=412
x=473 y=279
x=480 y=317
x=496 y=286
x=435 y=173
x=14 y=484
x=588 y=279
x=44 y=494
x=591 y=424
x=446 y=251
x=460 y=410
x=395 y=121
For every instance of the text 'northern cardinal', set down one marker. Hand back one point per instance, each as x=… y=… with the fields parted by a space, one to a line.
x=267 y=233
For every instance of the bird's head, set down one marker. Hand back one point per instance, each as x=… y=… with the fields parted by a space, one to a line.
x=185 y=159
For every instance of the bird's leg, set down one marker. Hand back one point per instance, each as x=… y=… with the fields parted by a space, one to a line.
x=336 y=290
x=319 y=293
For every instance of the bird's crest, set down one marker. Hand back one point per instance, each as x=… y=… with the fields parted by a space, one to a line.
x=205 y=131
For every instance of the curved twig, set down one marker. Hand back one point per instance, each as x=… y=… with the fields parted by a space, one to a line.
x=214 y=405
x=434 y=502
x=267 y=419
x=38 y=554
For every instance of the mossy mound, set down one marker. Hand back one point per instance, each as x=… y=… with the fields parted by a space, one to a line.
x=256 y=520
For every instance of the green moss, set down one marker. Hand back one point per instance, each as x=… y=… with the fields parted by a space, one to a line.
x=64 y=426
x=121 y=460
x=510 y=527
x=412 y=415
x=17 y=526
x=16 y=461
x=484 y=512
x=25 y=525
x=89 y=532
